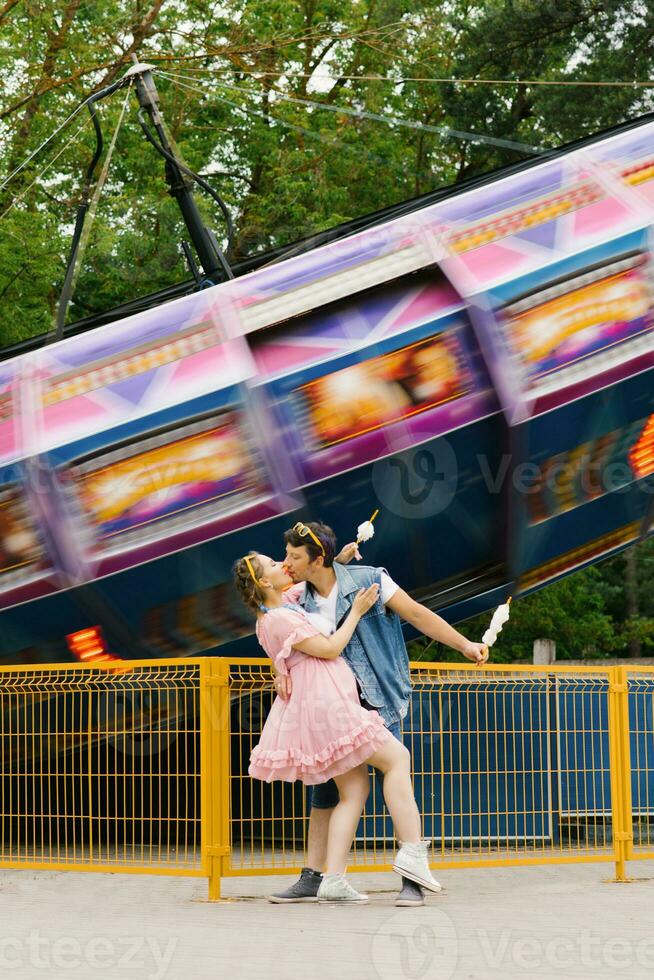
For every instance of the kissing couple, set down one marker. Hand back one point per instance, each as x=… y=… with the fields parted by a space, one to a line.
x=333 y=632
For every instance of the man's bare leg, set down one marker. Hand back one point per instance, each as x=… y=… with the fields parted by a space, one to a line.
x=305 y=889
x=317 y=837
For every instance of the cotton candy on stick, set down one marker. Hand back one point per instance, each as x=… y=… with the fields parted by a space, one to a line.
x=366 y=530
x=500 y=617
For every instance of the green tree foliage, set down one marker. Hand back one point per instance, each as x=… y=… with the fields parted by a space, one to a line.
x=287 y=169
x=586 y=613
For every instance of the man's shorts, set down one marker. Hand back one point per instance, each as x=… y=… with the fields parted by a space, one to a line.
x=324 y=796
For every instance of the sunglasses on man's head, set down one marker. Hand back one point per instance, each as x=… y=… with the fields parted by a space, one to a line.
x=303 y=531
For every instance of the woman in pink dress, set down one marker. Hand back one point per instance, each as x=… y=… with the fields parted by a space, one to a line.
x=322 y=731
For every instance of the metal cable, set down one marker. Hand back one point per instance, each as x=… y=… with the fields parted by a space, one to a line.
x=437 y=81
x=102 y=93
x=73 y=272
x=26 y=190
x=445 y=131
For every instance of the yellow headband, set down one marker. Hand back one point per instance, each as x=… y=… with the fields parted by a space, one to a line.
x=251 y=571
x=303 y=530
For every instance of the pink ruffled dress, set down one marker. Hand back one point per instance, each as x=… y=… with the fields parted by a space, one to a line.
x=321 y=730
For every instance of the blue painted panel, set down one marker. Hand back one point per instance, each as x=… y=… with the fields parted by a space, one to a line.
x=480 y=755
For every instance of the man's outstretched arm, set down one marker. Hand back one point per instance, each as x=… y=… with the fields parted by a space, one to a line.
x=430 y=624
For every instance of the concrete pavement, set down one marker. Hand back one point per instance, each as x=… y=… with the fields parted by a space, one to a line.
x=562 y=921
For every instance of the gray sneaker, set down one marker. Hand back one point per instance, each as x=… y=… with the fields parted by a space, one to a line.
x=337 y=889
x=305 y=889
x=411 y=895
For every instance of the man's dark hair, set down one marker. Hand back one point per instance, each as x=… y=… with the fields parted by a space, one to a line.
x=324 y=534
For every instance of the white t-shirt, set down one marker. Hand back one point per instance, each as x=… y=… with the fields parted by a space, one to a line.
x=325 y=619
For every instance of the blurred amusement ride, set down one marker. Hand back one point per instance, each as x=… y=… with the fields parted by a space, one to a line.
x=477 y=363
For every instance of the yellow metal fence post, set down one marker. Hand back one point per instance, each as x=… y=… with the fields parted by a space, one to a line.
x=215 y=769
x=627 y=829
x=620 y=765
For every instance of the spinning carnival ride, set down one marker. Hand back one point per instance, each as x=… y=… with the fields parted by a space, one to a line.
x=479 y=367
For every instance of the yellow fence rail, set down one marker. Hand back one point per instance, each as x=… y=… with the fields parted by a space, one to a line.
x=145 y=769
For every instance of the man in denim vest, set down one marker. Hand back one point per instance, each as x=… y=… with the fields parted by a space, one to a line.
x=376 y=653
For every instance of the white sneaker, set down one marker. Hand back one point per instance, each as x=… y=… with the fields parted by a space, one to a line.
x=335 y=888
x=411 y=862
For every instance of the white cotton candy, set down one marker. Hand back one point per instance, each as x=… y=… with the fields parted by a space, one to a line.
x=365 y=531
x=500 y=617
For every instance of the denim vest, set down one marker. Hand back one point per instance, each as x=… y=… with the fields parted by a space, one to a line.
x=377 y=652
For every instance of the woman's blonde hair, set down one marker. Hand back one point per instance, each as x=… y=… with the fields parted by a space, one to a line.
x=247 y=579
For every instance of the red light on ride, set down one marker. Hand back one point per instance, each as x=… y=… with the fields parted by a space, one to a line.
x=89 y=647
x=641 y=455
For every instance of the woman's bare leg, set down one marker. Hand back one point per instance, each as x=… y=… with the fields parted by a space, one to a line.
x=394 y=760
x=353 y=789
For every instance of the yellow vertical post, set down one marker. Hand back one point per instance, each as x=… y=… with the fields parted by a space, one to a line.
x=89 y=762
x=627 y=829
x=215 y=769
x=205 y=763
x=620 y=765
